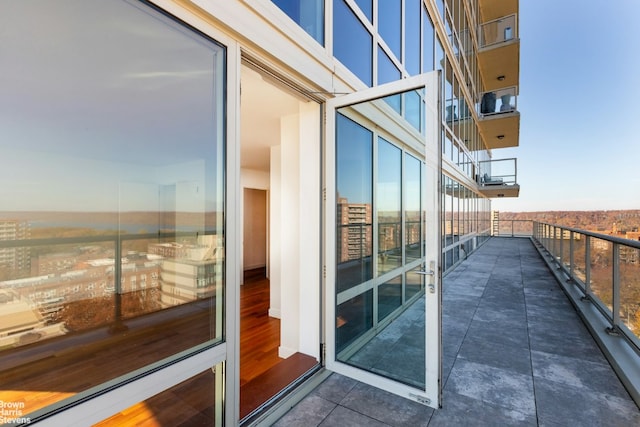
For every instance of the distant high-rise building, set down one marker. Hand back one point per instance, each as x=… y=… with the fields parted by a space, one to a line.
x=16 y=260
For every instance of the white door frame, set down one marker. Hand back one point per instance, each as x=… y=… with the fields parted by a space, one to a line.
x=431 y=157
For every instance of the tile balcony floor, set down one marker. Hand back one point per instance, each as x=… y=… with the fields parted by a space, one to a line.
x=515 y=353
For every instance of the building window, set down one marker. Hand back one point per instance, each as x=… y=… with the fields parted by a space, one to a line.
x=366 y=6
x=309 y=14
x=387 y=71
x=352 y=43
x=428 y=47
x=112 y=116
x=390 y=25
x=412 y=12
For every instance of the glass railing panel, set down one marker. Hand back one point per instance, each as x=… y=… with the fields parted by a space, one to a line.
x=500 y=30
x=629 y=261
x=515 y=228
x=499 y=101
x=601 y=266
x=565 y=249
x=498 y=172
x=579 y=257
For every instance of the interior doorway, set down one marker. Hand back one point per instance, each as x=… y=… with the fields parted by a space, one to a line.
x=280 y=166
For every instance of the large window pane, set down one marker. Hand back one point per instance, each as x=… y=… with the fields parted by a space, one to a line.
x=352 y=43
x=428 y=48
x=390 y=24
x=412 y=12
x=353 y=318
x=111 y=136
x=309 y=14
x=366 y=6
x=387 y=71
x=389 y=199
x=355 y=199
x=389 y=297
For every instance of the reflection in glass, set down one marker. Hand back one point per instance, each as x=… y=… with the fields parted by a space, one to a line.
x=354 y=157
x=168 y=407
x=366 y=6
x=388 y=207
x=352 y=43
x=389 y=297
x=413 y=220
x=428 y=48
x=380 y=319
x=390 y=24
x=414 y=110
x=353 y=318
x=412 y=11
x=387 y=71
x=414 y=282
x=113 y=182
x=308 y=14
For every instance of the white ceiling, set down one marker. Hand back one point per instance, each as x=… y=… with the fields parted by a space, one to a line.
x=262 y=105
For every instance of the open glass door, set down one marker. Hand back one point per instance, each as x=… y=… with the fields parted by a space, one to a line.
x=382 y=252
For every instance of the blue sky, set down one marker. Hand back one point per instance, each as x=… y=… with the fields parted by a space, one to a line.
x=580 y=117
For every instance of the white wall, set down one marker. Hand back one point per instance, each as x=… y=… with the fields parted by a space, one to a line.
x=295 y=188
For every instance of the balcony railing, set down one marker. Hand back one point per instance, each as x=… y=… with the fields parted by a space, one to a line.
x=499 y=101
x=513 y=228
x=601 y=274
x=605 y=268
x=499 y=30
x=498 y=172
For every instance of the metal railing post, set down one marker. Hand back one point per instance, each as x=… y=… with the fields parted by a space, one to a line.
x=587 y=266
x=616 y=290
x=561 y=250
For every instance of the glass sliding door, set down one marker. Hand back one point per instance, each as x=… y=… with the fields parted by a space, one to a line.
x=383 y=316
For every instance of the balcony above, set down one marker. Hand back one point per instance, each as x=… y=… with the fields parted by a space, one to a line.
x=494 y=9
x=499 y=118
x=499 y=53
x=499 y=178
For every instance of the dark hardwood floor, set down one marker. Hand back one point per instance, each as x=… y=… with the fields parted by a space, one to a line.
x=262 y=372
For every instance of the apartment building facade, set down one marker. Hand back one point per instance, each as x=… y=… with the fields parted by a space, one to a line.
x=369 y=124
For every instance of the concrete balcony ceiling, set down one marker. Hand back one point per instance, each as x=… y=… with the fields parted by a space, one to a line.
x=493 y=191
x=500 y=64
x=494 y=9
x=501 y=130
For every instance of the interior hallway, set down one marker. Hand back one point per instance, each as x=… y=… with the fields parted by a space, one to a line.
x=515 y=352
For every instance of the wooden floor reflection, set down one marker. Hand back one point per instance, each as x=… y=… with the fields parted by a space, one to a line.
x=47 y=373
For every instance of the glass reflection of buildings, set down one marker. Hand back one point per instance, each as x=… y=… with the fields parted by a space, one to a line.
x=169 y=274
x=14 y=259
x=356 y=237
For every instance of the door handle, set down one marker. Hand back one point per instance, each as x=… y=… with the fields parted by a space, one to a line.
x=432 y=276
x=426 y=273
